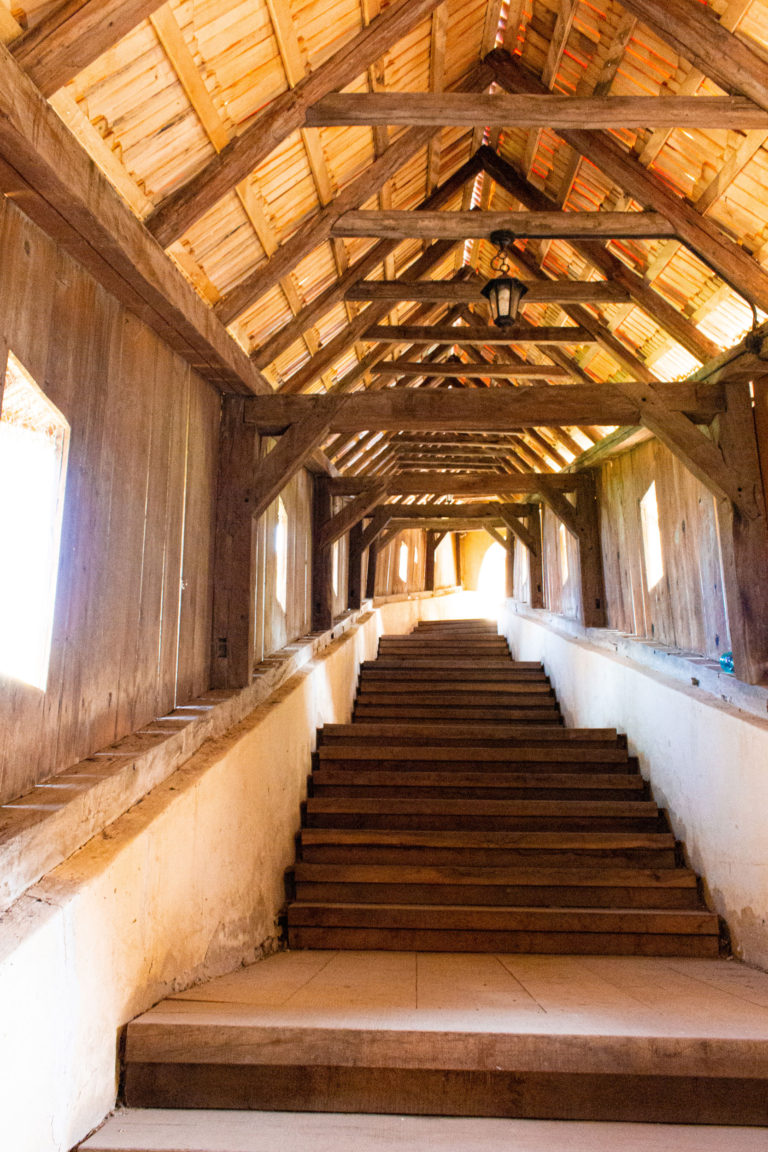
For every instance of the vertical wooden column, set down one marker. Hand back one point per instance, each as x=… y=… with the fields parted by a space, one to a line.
x=370 y=581
x=457 y=555
x=234 y=560
x=322 y=558
x=536 y=560
x=744 y=539
x=429 y=561
x=590 y=552
x=355 y=568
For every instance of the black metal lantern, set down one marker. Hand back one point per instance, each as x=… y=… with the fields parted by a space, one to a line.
x=504 y=293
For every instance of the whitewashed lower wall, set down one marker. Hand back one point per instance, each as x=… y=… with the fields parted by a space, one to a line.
x=706 y=759
x=184 y=886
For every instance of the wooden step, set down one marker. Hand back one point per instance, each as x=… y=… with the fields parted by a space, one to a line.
x=519 y=887
x=477 y=928
x=441 y=813
x=507 y=754
x=482 y=848
x=351 y=781
x=459 y=713
x=423 y=733
x=225 y=1130
x=491 y=1035
x=496 y=664
x=480 y=681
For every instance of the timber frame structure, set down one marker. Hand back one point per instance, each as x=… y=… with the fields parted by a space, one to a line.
x=309 y=230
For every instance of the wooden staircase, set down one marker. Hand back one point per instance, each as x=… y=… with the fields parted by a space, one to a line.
x=430 y=842
x=456 y=813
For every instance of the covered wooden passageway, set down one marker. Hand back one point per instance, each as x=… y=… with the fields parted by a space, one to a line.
x=311 y=311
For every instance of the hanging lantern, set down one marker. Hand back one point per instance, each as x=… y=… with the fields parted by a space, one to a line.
x=503 y=292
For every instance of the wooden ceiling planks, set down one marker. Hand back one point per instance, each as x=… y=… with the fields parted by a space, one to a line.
x=203 y=80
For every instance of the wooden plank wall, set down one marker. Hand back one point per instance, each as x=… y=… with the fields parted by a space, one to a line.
x=132 y=620
x=561 y=583
x=275 y=626
x=445 y=563
x=388 y=582
x=686 y=609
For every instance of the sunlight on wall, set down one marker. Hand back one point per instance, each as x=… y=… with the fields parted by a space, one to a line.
x=402 y=565
x=281 y=554
x=563 y=549
x=34 y=437
x=491 y=582
x=652 y=554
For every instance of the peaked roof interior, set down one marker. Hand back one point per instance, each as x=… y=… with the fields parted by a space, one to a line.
x=159 y=106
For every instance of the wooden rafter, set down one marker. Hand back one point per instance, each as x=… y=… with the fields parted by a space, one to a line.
x=281 y=117
x=44 y=169
x=73 y=36
x=609 y=265
x=321 y=227
x=332 y=295
x=697 y=35
x=703 y=237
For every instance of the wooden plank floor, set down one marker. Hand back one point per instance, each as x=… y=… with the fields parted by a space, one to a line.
x=158 y=1130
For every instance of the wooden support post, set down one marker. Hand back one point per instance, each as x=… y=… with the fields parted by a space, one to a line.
x=322 y=558
x=457 y=556
x=590 y=552
x=370 y=580
x=429 y=561
x=536 y=559
x=234 y=568
x=744 y=539
x=355 y=568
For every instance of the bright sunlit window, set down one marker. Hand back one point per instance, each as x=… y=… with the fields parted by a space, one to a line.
x=402 y=564
x=34 y=437
x=281 y=554
x=649 y=521
x=563 y=548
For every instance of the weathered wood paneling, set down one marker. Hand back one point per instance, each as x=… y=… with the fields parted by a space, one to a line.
x=445 y=563
x=388 y=580
x=561 y=568
x=686 y=607
x=277 y=626
x=132 y=623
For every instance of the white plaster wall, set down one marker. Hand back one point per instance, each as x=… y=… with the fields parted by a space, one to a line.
x=186 y=885
x=706 y=760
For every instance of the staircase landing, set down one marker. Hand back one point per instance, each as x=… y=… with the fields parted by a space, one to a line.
x=161 y=1131
x=560 y=1037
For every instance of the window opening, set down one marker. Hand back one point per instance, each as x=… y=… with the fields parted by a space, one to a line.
x=652 y=553
x=281 y=554
x=402 y=567
x=563 y=540
x=34 y=438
